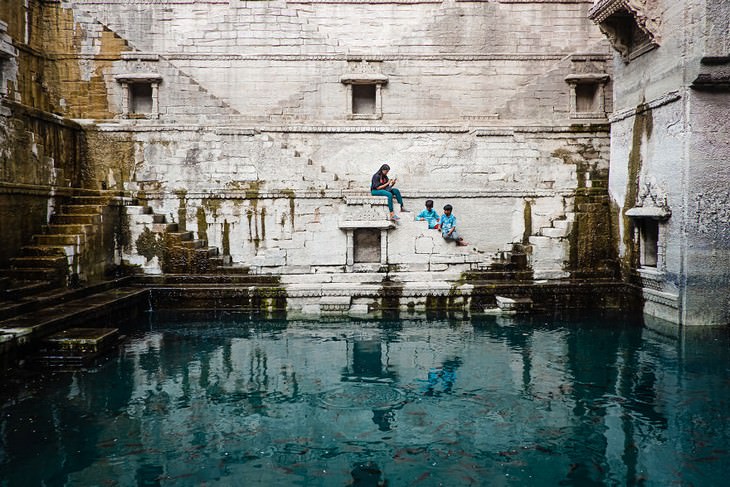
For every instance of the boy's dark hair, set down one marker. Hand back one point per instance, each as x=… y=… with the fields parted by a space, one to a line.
x=429 y=203
x=448 y=208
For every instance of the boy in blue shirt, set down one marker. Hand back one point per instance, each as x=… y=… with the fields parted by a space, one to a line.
x=448 y=227
x=429 y=215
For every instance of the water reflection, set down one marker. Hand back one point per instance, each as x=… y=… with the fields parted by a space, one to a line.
x=488 y=401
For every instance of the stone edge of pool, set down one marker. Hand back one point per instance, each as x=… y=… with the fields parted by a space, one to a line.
x=314 y=296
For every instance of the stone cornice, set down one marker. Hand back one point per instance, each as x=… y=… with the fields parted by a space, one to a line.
x=241 y=3
x=476 y=57
x=34 y=189
x=242 y=194
x=665 y=99
x=483 y=130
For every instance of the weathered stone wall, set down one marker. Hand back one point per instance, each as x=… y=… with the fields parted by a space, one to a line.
x=669 y=150
x=41 y=155
x=287 y=191
x=252 y=146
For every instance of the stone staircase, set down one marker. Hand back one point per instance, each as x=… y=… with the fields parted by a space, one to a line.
x=71 y=247
x=159 y=246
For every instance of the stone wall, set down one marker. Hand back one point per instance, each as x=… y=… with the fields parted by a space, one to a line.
x=250 y=142
x=669 y=156
x=41 y=154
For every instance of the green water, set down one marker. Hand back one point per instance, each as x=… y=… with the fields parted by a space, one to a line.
x=235 y=401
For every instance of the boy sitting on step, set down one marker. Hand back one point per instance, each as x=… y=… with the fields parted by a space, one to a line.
x=448 y=227
x=429 y=215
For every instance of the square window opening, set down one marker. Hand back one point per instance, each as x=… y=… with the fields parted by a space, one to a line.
x=140 y=98
x=366 y=246
x=586 y=97
x=649 y=235
x=363 y=99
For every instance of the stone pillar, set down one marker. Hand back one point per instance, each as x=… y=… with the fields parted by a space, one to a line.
x=384 y=246
x=350 y=248
x=155 y=101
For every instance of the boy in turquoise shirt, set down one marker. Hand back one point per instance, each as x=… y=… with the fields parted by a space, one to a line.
x=448 y=227
x=429 y=215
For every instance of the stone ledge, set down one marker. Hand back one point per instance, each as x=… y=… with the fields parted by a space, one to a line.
x=665 y=99
x=354 y=224
x=224 y=193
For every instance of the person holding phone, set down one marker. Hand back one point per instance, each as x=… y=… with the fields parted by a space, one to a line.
x=382 y=186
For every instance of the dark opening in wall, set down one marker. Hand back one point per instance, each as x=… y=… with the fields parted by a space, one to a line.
x=586 y=97
x=367 y=245
x=363 y=99
x=649 y=235
x=140 y=98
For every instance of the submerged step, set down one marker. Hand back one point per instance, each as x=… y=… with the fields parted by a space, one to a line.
x=83 y=340
x=76 y=347
x=514 y=305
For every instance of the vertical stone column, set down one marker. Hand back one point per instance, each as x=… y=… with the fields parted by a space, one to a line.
x=384 y=246
x=350 y=248
x=155 y=101
x=125 y=100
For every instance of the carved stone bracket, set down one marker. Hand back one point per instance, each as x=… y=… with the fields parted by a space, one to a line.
x=651 y=202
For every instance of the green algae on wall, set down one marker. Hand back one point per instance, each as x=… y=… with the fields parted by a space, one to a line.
x=182 y=209
x=226 y=238
x=527 y=215
x=202 y=223
x=643 y=127
x=292 y=204
x=112 y=159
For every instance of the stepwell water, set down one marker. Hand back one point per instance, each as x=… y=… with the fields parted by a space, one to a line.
x=232 y=400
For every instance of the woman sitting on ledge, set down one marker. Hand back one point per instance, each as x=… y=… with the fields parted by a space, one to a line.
x=382 y=186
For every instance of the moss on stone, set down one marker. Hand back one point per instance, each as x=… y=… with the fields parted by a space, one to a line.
x=527 y=216
x=149 y=245
x=643 y=126
x=226 y=238
x=182 y=210
x=202 y=223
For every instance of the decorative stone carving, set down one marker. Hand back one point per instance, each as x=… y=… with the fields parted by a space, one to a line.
x=651 y=202
x=628 y=24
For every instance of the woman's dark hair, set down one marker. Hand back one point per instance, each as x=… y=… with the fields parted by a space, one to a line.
x=448 y=208
x=384 y=167
x=429 y=203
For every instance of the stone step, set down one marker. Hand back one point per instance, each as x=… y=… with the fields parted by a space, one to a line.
x=76 y=218
x=564 y=224
x=220 y=260
x=233 y=269
x=91 y=200
x=207 y=252
x=139 y=210
x=180 y=236
x=39 y=262
x=82 y=209
x=59 y=239
x=69 y=229
x=194 y=244
x=83 y=340
x=41 y=274
x=17 y=290
x=47 y=250
x=553 y=232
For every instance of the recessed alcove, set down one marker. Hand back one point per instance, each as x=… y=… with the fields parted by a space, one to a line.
x=140 y=94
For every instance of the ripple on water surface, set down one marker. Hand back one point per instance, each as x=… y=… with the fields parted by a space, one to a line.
x=236 y=401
